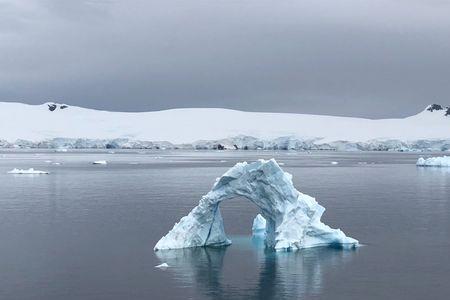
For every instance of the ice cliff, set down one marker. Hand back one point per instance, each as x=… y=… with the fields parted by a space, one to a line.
x=293 y=218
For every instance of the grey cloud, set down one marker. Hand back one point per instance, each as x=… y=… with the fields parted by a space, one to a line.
x=352 y=57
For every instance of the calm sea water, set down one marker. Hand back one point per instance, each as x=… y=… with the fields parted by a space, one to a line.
x=87 y=231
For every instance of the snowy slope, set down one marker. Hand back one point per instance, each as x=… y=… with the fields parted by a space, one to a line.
x=38 y=123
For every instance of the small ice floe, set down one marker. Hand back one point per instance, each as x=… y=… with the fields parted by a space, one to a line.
x=29 y=171
x=100 y=162
x=281 y=163
x=223 y=161
x=334 y=163
x=439 y=161
x=56 y=163
x=48 y=161
x=61 y=150
x=162 y=266
x=133 y=163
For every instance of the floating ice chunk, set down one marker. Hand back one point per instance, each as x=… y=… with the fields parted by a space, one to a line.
x=162 y=266
x=259 y=225
x=100 y=162
x=439 y=161
x=292 y=218
x=29 y=171
x=334 y=163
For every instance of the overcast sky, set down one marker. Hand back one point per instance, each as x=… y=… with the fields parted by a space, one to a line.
x=348 y=57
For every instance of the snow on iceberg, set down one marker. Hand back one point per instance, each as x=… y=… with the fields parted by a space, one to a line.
x=440 y=161
x=293 y=218
x=29 y=171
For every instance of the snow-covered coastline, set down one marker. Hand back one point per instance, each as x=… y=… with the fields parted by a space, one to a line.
x=57 y=126
x=442 y=161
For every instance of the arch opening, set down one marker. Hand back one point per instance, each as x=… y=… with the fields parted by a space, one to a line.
x=238 y=214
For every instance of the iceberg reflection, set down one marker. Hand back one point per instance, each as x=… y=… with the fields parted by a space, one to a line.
x=275 y=275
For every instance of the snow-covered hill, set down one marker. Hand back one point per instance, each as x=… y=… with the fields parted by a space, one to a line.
x=39 y=125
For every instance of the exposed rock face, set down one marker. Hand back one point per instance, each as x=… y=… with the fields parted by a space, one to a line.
x=52 y=107
x=447 y=113
x=293 y=218
x=434 y=107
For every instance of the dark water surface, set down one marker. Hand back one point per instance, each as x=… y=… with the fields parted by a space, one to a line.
x=87 y=232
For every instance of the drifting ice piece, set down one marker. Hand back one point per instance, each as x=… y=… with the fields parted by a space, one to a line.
x=100 y=162
x=442 y=161
x=162 y=266
x=293 y=218
x=29 y=171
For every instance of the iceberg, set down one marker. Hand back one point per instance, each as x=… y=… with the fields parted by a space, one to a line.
x=440 y=161
x=293 y=218
x=259 y=225
x=100 y=162
x=162 y=266
x=29 y=171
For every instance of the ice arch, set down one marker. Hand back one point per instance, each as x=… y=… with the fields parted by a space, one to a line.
x=293 y=218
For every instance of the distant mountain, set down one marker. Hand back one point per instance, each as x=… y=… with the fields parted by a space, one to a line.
x=44 y=125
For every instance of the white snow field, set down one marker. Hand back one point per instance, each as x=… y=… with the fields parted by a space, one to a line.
x=201 y=126
x=440 y=161
x=27 y=171
x=293 y=218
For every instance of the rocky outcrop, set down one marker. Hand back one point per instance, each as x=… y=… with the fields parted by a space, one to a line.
x=52 y=107
x=434 y=107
